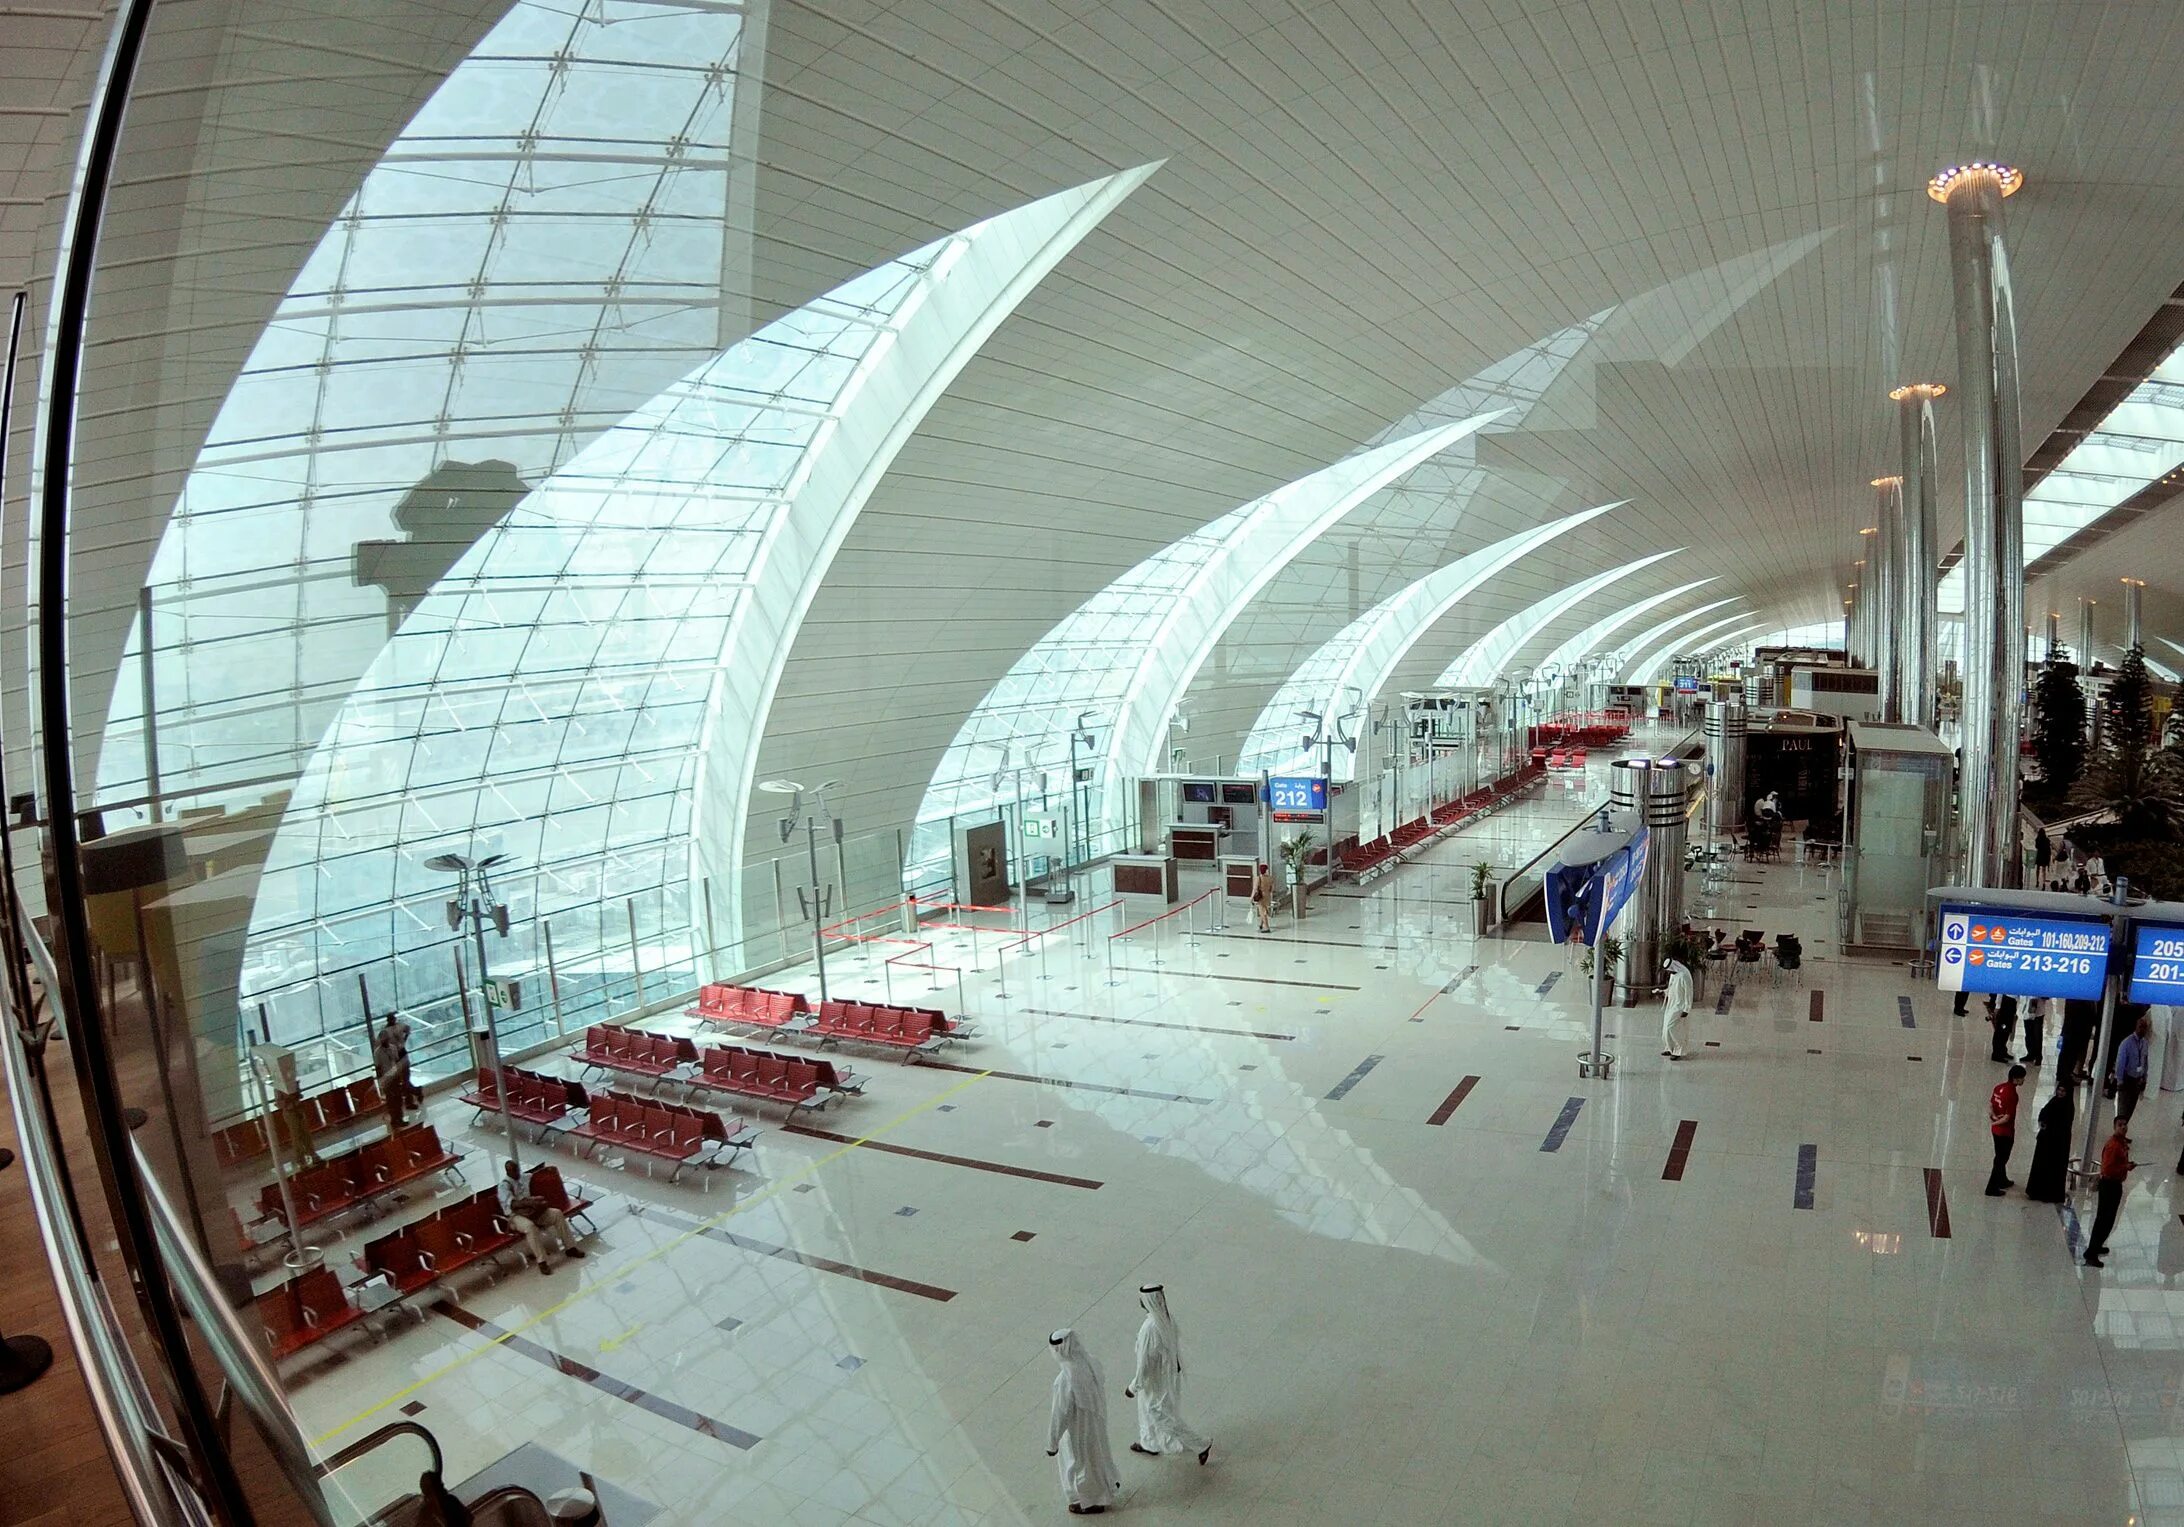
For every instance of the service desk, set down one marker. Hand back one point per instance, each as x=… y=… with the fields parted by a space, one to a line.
x=1196 y=841
x=1237 y=873
x=1145 y=875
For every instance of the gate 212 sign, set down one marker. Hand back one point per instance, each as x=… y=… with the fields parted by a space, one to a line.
x=1986 y=949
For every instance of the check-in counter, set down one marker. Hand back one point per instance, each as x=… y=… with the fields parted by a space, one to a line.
x=1196 y=841
x=1237 y=872
x=1145 y=875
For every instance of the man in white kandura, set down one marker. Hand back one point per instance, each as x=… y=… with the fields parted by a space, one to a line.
x=1158 y=1384
x=1078 y=1432
x=1675 y=1010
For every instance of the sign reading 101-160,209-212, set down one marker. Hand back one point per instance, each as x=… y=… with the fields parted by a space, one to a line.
x=1986 y=949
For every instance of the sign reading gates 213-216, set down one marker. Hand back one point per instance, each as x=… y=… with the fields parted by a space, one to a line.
x=1989 y=950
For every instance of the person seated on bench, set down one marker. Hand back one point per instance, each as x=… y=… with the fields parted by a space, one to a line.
x=535 y=1219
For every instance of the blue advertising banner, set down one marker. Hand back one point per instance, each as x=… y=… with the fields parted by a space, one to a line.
x=1587 y=897
x=1986 y=949
x=2157 y=964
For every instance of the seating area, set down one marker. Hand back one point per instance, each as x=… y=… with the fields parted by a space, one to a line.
x=356 y=1178
x=753 y=1006
x=306 y=1309
x=1362 y=861
x=427 y=1251
x=327 y=1113
x=671 y=1132
x=761 y=1075
x=533 y=1096
x=910 y=1030
x=1581 y=729
x=635 y=1052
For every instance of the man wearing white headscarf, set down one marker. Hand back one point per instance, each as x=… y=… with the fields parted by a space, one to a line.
x=1158 y=1384
x=1077 y=1433
x=1675 y=1010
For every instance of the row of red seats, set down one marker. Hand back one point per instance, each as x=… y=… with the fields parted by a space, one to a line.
x=533 y=1096
x=309 y=1307
x=356 y=1177
x=898 y=1028
x=324 y=1113
x=775 y=1078
x=719 y=1002
x=610 y=1047
x=1572 y=759
x=428 y=1250
x=670 y=1132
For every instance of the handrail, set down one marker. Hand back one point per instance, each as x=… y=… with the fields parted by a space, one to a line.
x=248 y=1369
x=370 y=1442
x=108 y=1368
x=1163 y=917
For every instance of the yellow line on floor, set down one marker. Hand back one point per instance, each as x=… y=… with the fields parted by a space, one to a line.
x=617 y=1274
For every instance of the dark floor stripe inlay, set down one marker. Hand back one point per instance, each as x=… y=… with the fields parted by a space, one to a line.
x=1055 y=1081
x=1547 y=985
x=1679 y=1151
x=1453 y=1101
x=1154 y=1023
x=1728 y=995
x=1216 y=975
x=1460 y=978
x=1817 y=1010
x=643 y=1399
x=1937 y=1205
x=802 y=1258
x=1903 y=1011
x=972 y=1162
x=1561 y=1130
x=1808 y=1166
x=1342 y=1087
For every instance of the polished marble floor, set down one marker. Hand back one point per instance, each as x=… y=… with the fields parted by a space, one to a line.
x=1423 y=1272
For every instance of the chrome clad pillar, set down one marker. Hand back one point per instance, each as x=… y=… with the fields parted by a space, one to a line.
x=1888 y=607
x=1666 y=794
x=1919 y=499
x=2085 y=633
x=1994 y=560
x=1725 y=718
x=2055 y=633
x=2133 y=634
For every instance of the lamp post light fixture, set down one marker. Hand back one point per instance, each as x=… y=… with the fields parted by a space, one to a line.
x=473 y=900
x=815 y=906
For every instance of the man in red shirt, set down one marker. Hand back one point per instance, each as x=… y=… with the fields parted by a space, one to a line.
x=2116 y=1164
x=2002 y=1122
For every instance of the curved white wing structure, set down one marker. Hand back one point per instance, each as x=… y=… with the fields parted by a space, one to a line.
x=1360 y=658
x=1648 y=668
x=1595 y=636
x=1481 y=664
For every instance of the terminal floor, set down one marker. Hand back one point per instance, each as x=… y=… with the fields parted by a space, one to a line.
x=1423 y=1272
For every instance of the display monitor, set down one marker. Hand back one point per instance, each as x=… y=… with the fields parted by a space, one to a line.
x=1199 y=792
x=1989 y=949
x=1239 y=795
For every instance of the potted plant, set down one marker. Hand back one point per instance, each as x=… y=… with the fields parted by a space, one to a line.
x=1296 y=858
x=1611 y=948
x=1482 y=876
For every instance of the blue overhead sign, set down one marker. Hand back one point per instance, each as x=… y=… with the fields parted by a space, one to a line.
x=1298 y=793
x=1587 y=897
x=2157 y=965
x=1986 y=949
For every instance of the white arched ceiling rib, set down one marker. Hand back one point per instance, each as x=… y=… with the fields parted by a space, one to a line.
x=1481 y=664
x=1818 y=633
x=1594 y=637
x=1001 y=263
x=1354 y=665
x=1648 y=668
x=553 y=696
x=1644 y=640
x=1130 y=651
x=540 y=251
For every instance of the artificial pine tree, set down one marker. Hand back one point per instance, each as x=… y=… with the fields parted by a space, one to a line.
x=2058 y=724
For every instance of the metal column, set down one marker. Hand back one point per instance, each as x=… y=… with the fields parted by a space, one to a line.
x=1994 y=554
x=2085 y=633
x=2133 y=634
x=1920 y=497
x=1888 y=554
x=1725 y=718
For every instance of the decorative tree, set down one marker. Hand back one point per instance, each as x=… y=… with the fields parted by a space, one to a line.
x=2058 y=724
x=2130 y=777
x=2129 y=705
